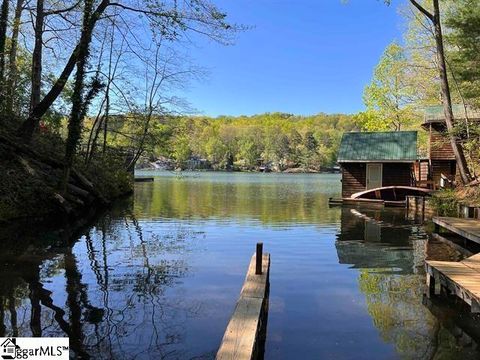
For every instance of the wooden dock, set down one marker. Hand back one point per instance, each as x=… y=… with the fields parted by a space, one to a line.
x=467 y=228
x=244 y=338
x=459 y=278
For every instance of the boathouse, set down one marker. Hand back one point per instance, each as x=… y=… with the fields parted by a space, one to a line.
x=371 y=160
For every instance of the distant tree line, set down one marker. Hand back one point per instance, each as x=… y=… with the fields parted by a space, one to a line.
x=276 y=139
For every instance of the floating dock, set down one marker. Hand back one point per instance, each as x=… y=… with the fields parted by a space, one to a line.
x=459 y=278
x=244 y=338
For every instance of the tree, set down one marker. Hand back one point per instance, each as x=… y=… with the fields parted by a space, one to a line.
x=12 y=80
x=248 y=152
x=463 y=21
x=28 y=127
x=435 y=19
x=37 y=54
x=389 y=95
x=3 y=41
x=80 y=101
x=181 y=150
x=170 y=19
x=370 y=120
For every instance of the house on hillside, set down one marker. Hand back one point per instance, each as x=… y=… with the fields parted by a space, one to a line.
x=371 y=160
x=442 y=163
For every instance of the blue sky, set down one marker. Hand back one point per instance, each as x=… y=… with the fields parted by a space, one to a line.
x=301 y=56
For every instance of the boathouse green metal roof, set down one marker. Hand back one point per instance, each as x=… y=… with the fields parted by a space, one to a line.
x=390 y=146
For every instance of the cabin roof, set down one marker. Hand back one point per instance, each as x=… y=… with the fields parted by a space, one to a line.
x=434 y=114
x=389 y=146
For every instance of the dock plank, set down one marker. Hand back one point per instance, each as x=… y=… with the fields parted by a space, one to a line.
x=242 y=337
x=468 y=228
x=255 y=285
x=459 y=277
x=239 y=340
x=473 y=262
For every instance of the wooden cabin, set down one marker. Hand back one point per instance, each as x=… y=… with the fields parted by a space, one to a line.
x=442 y=163
x=371 y=160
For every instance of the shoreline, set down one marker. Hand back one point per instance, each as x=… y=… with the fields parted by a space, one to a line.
x=147 y=170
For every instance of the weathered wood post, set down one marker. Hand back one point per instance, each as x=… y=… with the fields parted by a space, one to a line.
x=259 y=257
x=431 y=285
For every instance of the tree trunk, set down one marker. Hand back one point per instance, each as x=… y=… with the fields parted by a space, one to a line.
x=3 y=40
x=12 y=58
x=27 y=128
x=37 y=56
x=78 y=104
x=105 y=125
x=446 y=97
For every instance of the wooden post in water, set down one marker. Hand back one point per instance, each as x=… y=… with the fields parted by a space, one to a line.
x=259 y=256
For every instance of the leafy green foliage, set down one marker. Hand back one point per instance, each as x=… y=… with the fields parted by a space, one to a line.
x=388 y=98
x=445 y=202
x=463 y=21
x=282 y=140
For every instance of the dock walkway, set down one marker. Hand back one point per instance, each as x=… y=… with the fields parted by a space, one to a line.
x=245 y=334
x=460 y=278
x=467 y=228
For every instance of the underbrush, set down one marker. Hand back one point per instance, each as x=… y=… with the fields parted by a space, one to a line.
x=31 y=177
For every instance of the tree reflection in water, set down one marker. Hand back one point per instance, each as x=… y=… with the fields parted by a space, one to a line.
x=138 y=284
x=114 y=303
x=393 y=286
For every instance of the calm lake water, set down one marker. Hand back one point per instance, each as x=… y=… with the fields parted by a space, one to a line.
x=157 y=277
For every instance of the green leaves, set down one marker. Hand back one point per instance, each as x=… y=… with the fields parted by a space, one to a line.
x=389 y=96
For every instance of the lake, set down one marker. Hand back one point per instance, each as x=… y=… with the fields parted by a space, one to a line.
x=158 y=275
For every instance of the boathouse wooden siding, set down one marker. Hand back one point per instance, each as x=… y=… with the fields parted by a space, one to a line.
x=440 y=152
x=439 y=144
x=421 y=170
x=354 y=176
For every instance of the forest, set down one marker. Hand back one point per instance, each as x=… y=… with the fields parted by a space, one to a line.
x=406 y=84
x=65 y=64
x=433 y=69
x=280 y=141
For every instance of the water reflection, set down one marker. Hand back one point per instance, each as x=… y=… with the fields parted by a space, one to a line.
x=377 y=239
x=106 y=292
x=389 y=252
x=158 y=276
x=269 y=198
